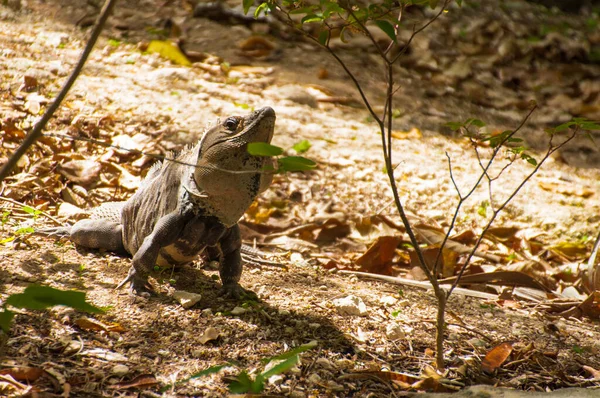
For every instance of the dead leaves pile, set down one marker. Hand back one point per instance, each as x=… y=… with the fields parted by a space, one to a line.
x=83 y=160
x=513 y=263
x=504 y=57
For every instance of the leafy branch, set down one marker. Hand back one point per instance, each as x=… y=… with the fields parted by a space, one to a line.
x=387 y=16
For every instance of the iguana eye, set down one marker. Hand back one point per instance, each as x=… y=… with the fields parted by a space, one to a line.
x=231 y=123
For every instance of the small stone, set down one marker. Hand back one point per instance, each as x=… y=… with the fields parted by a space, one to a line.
x=207 y=313
x=296 y=258
x=198 y=353
x=394 y=331
x=238 y=311
x=332 y=385
x=72 y=347
x=119 y=370
x=350 y=305
x=186 y=299
x=388 y=301
x=276 y=380
x=314 y=379
x=297 y=394
x=325 y=363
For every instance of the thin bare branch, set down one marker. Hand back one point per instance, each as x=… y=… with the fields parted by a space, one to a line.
x=452 y=176
x=417 y=31
x=476 y=184
x=549 y=152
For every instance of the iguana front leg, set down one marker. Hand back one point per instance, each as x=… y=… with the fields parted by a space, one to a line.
x=166 y=231
x=230 y=269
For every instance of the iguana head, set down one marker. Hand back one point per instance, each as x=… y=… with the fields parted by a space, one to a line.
x=224 y=177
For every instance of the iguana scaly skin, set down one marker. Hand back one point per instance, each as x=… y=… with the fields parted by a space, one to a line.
x=179 y=211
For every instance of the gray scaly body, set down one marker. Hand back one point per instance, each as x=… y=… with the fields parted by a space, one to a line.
x=180 y=211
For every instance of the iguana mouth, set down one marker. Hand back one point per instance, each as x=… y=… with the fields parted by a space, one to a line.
x=263 y=115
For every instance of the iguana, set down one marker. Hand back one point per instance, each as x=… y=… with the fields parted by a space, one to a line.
x=181 y=210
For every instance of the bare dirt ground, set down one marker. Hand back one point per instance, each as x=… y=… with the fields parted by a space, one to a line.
x=485 y=61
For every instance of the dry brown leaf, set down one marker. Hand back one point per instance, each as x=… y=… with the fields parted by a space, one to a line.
x=496 y=357
x=24 y=373
x=141 y=381
x=412 y=134
x=570 y=250
x=593 y=372
x=501 y=278
x=568 y=190
x=92 y=324
x=502 y=234
x=209 y=334
x=434 y=236
x=84 y=172
x=256 y=46
x=378 y=257
x=333 y=229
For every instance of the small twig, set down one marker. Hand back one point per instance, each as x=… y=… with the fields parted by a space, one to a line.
x=476 y=184
x=551 y=150
x=593 y=276
x=14 y=202
x=452 y=176
x=417 y=31
x=35 y=134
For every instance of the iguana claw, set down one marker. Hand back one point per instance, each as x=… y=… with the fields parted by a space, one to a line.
x=139 y=284
x=236 y=292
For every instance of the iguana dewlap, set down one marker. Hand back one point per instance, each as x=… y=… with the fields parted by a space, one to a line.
x=179 y=211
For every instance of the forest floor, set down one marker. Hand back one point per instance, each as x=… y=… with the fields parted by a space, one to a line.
x=486 y=61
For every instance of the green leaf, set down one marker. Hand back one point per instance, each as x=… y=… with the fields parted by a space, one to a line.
x=263 y=7
x=387 y=28
x=433 y=4
x=36 y=297
x=168 y=50
x=295 y=163
x=258 y=384
x=263 y=149
x=247 y=4
x=453 y=125
x=242 y=384
x=589 y=125
x=242 y=105
x=31 y=210
x=311 y=18
x=333 y=7
x=482 y=209
x=323 y=37
x=6 y=317
x=25 y=230
x=6 y=240
x=281 y=367
x=529 y=159
x=564 y=126
x=459 y=2
x=302 y=146
x=288 y=354
x=474 y=122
